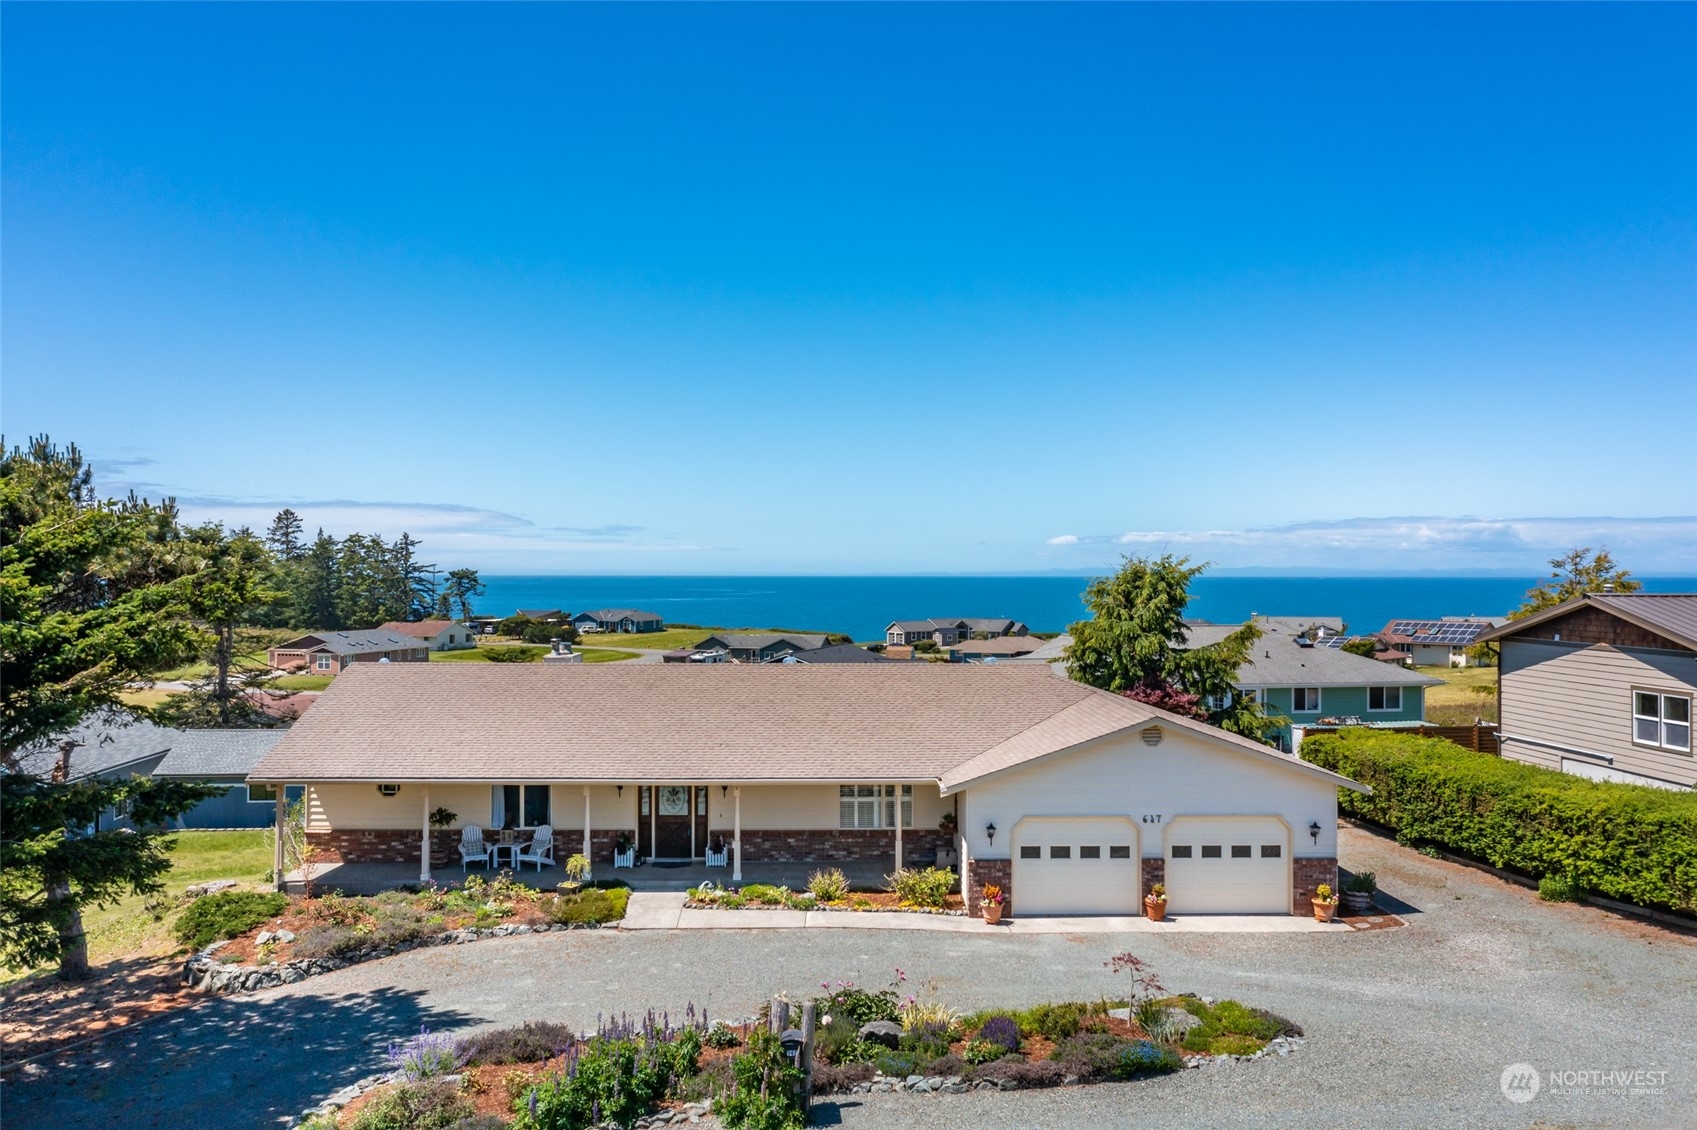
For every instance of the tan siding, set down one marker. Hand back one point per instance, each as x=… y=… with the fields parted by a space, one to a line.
x=808 y=807
x=363 y=807
x=1581 y=697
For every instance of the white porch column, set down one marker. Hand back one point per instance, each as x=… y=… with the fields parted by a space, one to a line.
x=424 y=842
x=586 y=854
x=898 y=827
x=279 y=858
x=736 y=838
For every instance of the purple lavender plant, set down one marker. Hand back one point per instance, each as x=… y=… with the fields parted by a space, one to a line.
x=426 y=1055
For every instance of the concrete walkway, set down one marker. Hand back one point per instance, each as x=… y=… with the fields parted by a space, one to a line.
x=664 y=910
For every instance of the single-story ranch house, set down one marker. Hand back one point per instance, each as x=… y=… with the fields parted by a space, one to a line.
x=327 y=653
x=1073 y=800
x=761 y=647
x=437 y=635
x=618 y=620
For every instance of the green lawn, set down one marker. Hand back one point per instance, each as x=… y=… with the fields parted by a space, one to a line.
x=605 y=655
x=1467 y=693
x=673 y=638
x=480 y=654
x=302 y=682
x=128 y=927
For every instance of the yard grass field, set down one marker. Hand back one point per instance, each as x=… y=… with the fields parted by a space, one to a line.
x=673 y=639
x=1467 y=693
x=302 y=682
x=140 y=926
x=480 y=654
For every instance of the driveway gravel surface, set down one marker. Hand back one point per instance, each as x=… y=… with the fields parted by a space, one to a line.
x=1407 y=1027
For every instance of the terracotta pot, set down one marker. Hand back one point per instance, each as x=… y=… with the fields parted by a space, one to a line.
x=1323 y=911
x=992 y=912
x=1155 y=909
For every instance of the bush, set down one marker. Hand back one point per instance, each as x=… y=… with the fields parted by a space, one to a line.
x=1102 y=1056
x=946 y=1065
x=328 y=941
x=1280 y=1026
x=228 y=914
x=530 y=1042
x=858 y=1005
x=514 y=653
x=765 y=894
x=611 y=1080
x=591 y=905
x=1234 y=1045
x=765 y=1096
x=721 y=1036
x=979 y=1052
x=829 y=1077
x=930 y=886
x=415 y=1106
x=1559 y=888
x=1364 y=883
x=1538 y=822
x=1055 y=1021
x=829 y=885
x=1002 y=1031
x=711 y=1082
x=1042 y=1073
x=425 y=1056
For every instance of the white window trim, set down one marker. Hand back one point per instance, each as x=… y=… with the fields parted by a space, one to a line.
x=1319 y=700
x=1660 y=718
x=881 y=798
x=1371 y=709
x=498 y=804
x=323 y=662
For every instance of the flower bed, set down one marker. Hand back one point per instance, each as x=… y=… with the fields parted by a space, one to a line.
x=915 y=891
x=652 y=1071
x=308 y=936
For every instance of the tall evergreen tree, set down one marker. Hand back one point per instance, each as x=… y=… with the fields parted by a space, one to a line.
x=229 y=589
x=314 y=586
x=1135 y=644
x=462 y=585
x=285 y=536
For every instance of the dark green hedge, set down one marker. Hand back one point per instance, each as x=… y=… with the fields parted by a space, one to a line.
x=1626 y=842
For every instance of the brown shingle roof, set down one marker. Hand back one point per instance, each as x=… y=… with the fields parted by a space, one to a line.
x=419 y=628
x=713 y=722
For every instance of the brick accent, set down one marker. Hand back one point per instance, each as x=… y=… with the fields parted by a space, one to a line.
x=838 y=845
x=1591 y=624
x=398 y=845
x=1154 y=871
x=1307 y=874
x=982 y=871
x=568 y=843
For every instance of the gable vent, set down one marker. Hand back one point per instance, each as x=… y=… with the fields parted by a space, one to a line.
x=1152 y=735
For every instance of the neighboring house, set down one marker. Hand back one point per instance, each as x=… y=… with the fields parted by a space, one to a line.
x=1602 y=686
x=1382 y=651
x=1436 y=643
x=835 y=653
x=110 y=750
x=328 y=653
x=1072 y=799
x=618 y=620
x=437 y=635
x=902 y=633
x=1300 y=683
x=1001 y=647
x=760 y=647
x=1051 y=653
x=543 y=615
x=224 y=757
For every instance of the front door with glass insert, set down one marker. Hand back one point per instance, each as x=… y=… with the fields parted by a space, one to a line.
x=672 y=838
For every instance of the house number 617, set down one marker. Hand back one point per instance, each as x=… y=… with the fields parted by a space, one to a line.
x=1151 y=818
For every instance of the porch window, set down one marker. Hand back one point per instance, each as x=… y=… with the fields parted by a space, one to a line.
x=520 y=806
x=858 y=806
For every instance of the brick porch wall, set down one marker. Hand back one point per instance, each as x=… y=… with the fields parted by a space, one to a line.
x=838 y=845
x=568 y=843
x=982 y=871
x=1307 y=875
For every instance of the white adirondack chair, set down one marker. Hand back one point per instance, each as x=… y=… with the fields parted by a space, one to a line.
x=540 y=850
x=472 y=847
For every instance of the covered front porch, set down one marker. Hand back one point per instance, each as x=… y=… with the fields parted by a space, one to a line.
x=374 y=878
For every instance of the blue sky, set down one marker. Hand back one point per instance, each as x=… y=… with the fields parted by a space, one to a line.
x=875 y=288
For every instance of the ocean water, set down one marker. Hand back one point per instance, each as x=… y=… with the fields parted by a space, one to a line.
x=862 y=606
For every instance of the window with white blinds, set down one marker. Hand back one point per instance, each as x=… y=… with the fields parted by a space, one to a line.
x=858 y=806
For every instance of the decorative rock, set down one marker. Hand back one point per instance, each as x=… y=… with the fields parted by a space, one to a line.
x=211 y=887
x=885 y=1032
x=1181 y=1020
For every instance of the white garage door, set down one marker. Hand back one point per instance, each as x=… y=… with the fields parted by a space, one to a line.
x=1075 y=865
x=1228 y=865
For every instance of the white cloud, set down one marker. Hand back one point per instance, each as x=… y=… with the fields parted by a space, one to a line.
x=1413 y=543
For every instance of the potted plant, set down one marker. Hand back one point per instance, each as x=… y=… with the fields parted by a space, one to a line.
x=991 y=900
x=1155 y=902
x=947 y=824
x=1325 y=903
x=1358 y=893
x=441 y=819
x=577 y=872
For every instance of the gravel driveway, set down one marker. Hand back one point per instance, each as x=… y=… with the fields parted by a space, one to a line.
x=1409 y=1027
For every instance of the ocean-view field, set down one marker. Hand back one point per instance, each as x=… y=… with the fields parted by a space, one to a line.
x=863 y=606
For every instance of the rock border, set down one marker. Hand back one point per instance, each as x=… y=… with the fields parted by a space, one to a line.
x=694 y=904
x=204 y=973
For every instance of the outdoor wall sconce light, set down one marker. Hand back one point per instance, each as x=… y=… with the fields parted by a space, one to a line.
x=724 y=791
x=1314 y=830
x=990 y=831
x=388 y=790
x=621 y=789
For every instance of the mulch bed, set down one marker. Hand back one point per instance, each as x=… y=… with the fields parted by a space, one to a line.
x=871 y=900
x=42 y=1014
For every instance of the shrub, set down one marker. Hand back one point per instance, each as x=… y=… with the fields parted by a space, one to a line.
x=415 y=1106
x=1364 y=883
x=1559 y=888
x=606 y=1080
x=829 y=885
x=766 y=894
x=515 y=653
x=1022 y=1073
x=721 y=1036
x=530 y=1042
x=946 y=1065
x=1279 y=1025
x=1522 y=818
x=765 y=1096
x=979 y=1052
x=228 y=914
x=1002 y=1031
x=1231 y=1018
x=425 y=1056
x=1235 y=1045
x=830 y=1077
x=928 y=1041
x=932 y=1016
x=930 y=886
x=591 y=905
x=711 y=1082
x=1100 y=1055
x=858 y=1005
x=903 y=1061
x=1055 y=1021
x=328 y=941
